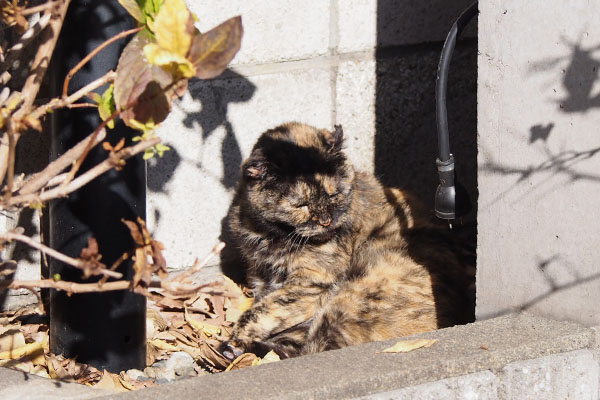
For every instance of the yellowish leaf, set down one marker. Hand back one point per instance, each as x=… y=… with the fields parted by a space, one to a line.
x=133 y=8
x=174 y=26
x=244 y=360
x=23 y=351
x=404 y=346
x=165 y=58
x=162 y=345
x=270 y=357
x=208 y=329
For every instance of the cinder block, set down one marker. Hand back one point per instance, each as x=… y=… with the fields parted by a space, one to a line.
x=211 y=131
x=273 y=30
x=356 y=25
x=355 y=110
x=481 y=385
x=362 y=24
x=572 y=375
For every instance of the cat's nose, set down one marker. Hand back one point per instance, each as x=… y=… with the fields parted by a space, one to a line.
x=325 y=221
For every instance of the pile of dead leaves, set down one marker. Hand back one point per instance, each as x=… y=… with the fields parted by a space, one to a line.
x=195 y=324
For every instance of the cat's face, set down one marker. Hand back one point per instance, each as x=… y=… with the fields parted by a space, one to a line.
x=298 y=182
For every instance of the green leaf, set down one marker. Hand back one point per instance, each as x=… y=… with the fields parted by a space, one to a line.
x=150 y=7
x=106 y=106
x=210 y=52
x=133 y=8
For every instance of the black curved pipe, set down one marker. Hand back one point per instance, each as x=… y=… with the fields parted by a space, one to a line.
x=441 y=85
x=451 y=200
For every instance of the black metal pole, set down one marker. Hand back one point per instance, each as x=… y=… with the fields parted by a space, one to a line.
x=106 y=330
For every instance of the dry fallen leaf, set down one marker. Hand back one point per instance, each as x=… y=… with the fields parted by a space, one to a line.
x=404 y=346
x=111 y=382
x=270 y=357
x=11 y=339
x=162 y=345
x=243 y=361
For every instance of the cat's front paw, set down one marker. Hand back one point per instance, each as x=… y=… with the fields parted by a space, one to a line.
x=231 y=349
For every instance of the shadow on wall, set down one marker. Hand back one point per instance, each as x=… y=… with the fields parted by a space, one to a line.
x=579 y=78
x=215 y=97
x=560 y=275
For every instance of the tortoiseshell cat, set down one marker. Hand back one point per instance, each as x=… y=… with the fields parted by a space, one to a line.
x=334 y=258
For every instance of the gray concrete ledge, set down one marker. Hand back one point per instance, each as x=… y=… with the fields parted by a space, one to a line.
x=465 y=351
x=499 y=358
x=17 y=385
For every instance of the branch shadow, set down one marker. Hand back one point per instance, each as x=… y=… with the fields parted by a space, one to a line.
x=578 y=78
x=216 y=96
x=555 y=288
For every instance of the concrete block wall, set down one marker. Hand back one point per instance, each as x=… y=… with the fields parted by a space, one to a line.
x=539 y=157
x=368 y=65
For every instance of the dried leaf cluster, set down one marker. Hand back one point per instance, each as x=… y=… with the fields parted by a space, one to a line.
x=192 y=323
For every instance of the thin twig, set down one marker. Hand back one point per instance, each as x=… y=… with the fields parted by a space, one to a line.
x=124 y=257
x=42 y=178
x=12 y=144
x=15 y=51
x=36 y=74
x=40 y=8
x=77 y=165
x=91 y=174
x=91 y=55
x=70 y=287
x=59 y=102
x=80 y=264
x=216 y=250
x=82 y=105
x=42 y=59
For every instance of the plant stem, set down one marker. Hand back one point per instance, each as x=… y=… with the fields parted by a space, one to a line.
x=91 y=55
x=79 y=264
x=91 y=174
x=65 y=101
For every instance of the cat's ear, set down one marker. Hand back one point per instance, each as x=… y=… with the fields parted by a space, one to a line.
x=255 y=168
x=334 y=139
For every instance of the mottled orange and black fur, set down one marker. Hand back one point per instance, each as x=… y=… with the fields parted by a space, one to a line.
x=334 y=258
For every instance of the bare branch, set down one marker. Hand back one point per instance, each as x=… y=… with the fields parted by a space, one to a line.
x=81 y=159
x=91 y=55
x=181 y=284
x=42 y=59
x=69 y=287
x=79 y=264
x=15 y=51
x=91 y=174
x=40 y=8
x=64 y=101
x=42 y=178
